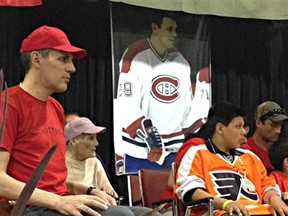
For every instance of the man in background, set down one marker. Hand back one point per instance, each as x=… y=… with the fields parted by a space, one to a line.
x=269 y=118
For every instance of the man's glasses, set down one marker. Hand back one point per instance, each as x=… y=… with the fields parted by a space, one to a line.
x=272 y=113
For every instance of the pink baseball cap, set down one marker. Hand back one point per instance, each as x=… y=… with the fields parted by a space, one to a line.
x=79 y=126
x=47 y=37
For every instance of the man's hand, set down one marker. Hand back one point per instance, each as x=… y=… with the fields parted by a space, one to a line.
x=237 y=207
x=278 y=206
x=152 y=138
x=75 y=204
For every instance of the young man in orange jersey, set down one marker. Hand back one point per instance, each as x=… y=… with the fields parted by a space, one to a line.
x=218 y=167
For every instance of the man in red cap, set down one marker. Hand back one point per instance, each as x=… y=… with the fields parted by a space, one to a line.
x=35 y=122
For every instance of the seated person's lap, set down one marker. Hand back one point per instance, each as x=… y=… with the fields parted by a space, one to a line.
x=112 y=210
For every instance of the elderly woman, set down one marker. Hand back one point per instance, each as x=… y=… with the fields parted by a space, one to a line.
x=81 y=161
x=83 y=166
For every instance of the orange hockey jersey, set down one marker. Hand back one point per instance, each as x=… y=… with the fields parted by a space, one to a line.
x=203 y=167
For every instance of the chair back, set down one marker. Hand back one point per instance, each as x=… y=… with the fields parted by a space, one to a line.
x=134 y=194
x=152 y=184
x=180 y=206
x=5 y=208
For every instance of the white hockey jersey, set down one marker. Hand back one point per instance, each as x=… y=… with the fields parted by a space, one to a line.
x=155 y=88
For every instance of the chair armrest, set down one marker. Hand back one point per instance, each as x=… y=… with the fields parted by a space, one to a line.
x=159 y=202
x=199 y=202
x=202 y=206
x=120 y=200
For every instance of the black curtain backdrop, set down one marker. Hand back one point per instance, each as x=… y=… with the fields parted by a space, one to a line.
x=248 y=61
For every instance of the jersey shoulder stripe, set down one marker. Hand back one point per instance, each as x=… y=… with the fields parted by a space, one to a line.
x=130 y=53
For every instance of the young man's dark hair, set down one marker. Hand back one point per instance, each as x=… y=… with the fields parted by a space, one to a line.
x=222 y=112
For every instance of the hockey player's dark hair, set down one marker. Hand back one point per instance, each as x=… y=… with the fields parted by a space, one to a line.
x=158 y=17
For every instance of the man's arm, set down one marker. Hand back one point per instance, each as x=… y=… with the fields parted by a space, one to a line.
x=10 y=188
x=278 y=206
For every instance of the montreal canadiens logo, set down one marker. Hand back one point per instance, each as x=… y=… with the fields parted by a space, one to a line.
x=165 y=88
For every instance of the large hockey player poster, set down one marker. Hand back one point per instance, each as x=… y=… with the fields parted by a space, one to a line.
x=162 y=88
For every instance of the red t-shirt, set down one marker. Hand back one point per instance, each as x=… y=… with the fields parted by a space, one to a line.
x=281 y=180
x=31 y=128
x=262 y=154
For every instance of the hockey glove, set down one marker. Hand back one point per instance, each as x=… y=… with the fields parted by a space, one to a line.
x=152 y=138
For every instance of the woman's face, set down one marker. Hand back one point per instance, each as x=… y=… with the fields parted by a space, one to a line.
x=234 y=133
x=85 y=146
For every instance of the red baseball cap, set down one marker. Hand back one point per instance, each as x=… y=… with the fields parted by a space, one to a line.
x=47 y=37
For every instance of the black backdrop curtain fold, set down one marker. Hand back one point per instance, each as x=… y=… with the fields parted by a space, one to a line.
x=248 y=59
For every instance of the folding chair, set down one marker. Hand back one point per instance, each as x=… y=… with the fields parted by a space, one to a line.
x=152 y=184
x=5 y=208
x=134 y=193
x=198 y=207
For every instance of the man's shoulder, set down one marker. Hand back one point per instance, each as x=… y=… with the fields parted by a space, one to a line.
x=195 y=141
x=14 y=93
x=13 y=89
x=277 y=174
x=249 y=144
x=53 y=100
x=138 y=45
x=55 y=103
x=134 y=49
